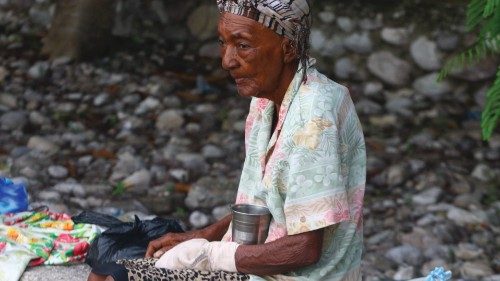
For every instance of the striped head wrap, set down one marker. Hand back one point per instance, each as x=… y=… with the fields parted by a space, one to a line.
x=284 y=17
x=288 y=18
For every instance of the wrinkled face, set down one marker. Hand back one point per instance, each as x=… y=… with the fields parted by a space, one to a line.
x=252 y=54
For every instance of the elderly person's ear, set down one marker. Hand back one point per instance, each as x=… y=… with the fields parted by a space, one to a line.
x=289 y=50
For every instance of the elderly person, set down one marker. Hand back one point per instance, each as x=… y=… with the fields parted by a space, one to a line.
x=305 y=161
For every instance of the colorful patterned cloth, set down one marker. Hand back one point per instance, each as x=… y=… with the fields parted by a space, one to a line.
x=310 y=172
x=41 y=238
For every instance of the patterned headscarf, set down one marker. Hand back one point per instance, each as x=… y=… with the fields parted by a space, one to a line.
x=282 y=16
x=288 y=18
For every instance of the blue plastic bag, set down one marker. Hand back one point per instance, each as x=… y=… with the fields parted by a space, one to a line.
x=13 y=197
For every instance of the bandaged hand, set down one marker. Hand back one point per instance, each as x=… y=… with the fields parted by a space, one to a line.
x=201 y=255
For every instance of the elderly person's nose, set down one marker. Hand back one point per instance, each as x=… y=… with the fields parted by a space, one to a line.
x=229 y=60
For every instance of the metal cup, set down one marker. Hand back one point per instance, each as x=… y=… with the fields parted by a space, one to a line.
x=250 y=224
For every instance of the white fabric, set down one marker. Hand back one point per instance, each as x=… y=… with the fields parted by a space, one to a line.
x=188 y=254
x=221 y=255
x=201 y=255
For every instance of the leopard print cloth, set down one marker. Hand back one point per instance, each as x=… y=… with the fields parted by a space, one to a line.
x=145 y=270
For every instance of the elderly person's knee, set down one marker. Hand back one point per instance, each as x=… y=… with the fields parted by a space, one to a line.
x=97 y=277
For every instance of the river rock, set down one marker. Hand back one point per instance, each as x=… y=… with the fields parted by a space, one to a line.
x=326 y=16
x=404 y=273
x=447 y=41
x=42 y=144
x=139 y=181
x=425 y=54
x=220 y=212
x=10 y=101
x=389 y=68
x=126 y=165
x=395 y=36
x=147 y=105
x=462 y=217
x=427 y=197
x=467 y=251
x=475 y=270
x=483 y=173
x=211 y=192
x=360 y=43
x=198 y=219
x=372 y=88
x=203 y=21
x=483 y=70
x=368 y=107
x=211 y=151
x=3 y=74
x=345 y=24
x=193 y=162
x=70 y=188
x=344 y=67
x=13 y=120
x=317 y=39
x=58 y=172
x=38 y=70
x=170 y=119
x=405 y=254
x=428 y=86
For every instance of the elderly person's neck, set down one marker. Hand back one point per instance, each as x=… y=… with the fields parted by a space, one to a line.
x=286 y=78
x=261 y=62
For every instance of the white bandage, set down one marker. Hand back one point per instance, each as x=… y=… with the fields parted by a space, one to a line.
x=188 y=254
x=221 y=255
x=201 y=255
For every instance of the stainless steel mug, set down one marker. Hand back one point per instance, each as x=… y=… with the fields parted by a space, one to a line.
x=250 y=223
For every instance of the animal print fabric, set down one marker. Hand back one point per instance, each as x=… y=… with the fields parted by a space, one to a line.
x=145 y=270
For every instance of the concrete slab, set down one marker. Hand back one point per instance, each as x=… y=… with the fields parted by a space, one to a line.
x=78 y=272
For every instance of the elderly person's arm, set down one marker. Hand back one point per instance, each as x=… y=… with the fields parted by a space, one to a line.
x=280 y=256
x=214 y=232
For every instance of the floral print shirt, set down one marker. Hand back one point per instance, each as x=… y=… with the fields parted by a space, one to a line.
x=310 y=172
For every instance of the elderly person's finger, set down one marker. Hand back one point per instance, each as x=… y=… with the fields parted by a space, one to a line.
x=160 y=252
x=153 y=246
x=166 y=242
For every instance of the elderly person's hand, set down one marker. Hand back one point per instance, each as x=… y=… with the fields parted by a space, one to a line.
x=158 y=247
x=201 y=255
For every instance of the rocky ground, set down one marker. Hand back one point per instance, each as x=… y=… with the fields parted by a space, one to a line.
x=156 y=129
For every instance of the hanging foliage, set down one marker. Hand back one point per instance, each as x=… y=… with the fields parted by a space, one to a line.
x=484 y=16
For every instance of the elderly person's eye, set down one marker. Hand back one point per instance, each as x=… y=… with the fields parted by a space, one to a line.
x=221 y=42
x=243 y=46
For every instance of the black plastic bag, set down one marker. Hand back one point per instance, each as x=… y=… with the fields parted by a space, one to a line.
x=123 y=240
x=92 y=217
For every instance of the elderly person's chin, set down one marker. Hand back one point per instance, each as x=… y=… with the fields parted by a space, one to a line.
x=246 y=90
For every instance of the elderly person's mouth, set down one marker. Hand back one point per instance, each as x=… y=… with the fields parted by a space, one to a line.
x=239 y=81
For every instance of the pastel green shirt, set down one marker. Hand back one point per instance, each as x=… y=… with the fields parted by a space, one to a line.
x=315 y=173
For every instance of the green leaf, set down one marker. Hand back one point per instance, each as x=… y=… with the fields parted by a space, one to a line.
x=119 y=188
x=486 y=15
x=490 y=7
x=470 y=56
x=475 y=11
x=491 y=112
x=493 y=43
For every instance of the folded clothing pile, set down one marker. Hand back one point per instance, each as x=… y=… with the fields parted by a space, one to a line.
x=35 y=238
